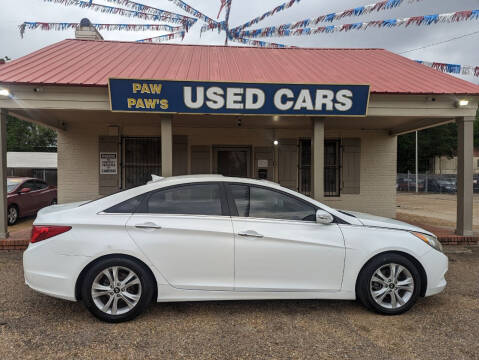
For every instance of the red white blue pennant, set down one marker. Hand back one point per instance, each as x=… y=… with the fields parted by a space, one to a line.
x=107 y=27
x=452 y=68
x=281 y=31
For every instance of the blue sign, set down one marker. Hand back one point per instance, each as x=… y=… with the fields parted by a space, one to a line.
x=199 y=97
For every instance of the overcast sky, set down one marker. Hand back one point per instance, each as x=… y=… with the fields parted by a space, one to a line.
x=463 y=51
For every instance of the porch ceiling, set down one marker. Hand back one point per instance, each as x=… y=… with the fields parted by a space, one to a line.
x=61 y=118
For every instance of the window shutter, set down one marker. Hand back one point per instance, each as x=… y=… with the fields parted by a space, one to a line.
x=200 y=160
x=180 y=155
x=108 y=183
x=351 y=166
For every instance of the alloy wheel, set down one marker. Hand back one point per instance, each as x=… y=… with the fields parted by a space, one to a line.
x=12 y=215
x=392 y=286
x=116 y=290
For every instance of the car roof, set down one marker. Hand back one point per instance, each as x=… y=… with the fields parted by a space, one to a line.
x=185 y=179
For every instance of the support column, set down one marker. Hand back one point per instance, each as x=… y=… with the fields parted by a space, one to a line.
x=3 y=175
x=166 y=147
x=465 y=148
x=318 y=158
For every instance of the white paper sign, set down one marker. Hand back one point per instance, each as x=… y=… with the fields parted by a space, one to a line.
x=108 y=163
x=262 y=163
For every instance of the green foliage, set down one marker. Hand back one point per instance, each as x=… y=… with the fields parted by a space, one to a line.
x=25 y=136
x=438 y=141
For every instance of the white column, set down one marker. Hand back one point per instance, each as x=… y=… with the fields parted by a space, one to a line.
x=3 y=174
x=166 y=147
x=318 y=158
x=465 y=146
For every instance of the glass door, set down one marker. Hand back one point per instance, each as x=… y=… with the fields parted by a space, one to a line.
x=233 y=161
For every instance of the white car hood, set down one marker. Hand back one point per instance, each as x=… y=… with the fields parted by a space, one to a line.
x=383 y=222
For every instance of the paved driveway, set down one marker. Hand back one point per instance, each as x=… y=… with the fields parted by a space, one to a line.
x=441 y=327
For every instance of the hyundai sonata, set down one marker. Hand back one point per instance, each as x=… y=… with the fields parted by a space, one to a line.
x=209 y=237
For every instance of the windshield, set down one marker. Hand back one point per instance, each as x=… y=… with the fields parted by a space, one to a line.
x=12 y=184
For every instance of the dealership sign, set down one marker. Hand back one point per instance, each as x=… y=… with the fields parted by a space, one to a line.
x=198 y=97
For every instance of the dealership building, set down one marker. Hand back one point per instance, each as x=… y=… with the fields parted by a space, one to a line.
x=323 y=122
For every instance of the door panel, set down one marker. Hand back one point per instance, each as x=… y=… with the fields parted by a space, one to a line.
x=191 y=252
x=290 y=255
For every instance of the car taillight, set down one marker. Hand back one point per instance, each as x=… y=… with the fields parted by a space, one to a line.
x=40 y=232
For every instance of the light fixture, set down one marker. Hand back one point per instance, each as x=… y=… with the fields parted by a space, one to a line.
x=276 y=143
x=276 y=118
x=4 y=92
x=463 y=102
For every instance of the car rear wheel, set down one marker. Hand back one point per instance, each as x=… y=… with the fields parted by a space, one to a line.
x=117 y=289
x=389 y=284
x=12 y=214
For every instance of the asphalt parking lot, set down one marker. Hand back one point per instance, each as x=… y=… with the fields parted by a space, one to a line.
x=34 y=326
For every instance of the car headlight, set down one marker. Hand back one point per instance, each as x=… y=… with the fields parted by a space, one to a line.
x=429 y=239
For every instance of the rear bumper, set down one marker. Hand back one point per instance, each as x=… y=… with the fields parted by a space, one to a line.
x=50 y=273
x=436 y=265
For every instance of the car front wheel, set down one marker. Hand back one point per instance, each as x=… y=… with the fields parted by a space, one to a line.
x=117 y=289
x=389 y=284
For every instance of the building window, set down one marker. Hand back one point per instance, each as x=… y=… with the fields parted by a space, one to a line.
x=332 y=167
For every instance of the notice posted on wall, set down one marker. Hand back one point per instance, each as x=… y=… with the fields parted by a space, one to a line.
x=108 y=163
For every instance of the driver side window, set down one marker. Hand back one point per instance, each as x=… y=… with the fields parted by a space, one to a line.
x=258 y=202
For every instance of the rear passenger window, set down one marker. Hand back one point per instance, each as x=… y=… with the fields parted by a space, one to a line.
x=126 y=207
x=198 y=199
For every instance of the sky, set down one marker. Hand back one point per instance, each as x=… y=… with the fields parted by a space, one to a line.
x=462 y=51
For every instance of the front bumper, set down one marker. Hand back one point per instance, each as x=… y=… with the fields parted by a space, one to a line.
x=51 y=273
x=436 y=265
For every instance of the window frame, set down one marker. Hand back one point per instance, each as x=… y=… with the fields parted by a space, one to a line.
x=142 y=209
x=234 y=210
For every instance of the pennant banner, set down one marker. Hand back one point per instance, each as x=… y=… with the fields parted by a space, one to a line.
x=149 y=9
x=452 y=68
x=358 y=11
x=177 y=19
x=259 y=43
x=108 y=27
x=163 y=38
x=278 y=31
x=192 y=11
x=267 y=14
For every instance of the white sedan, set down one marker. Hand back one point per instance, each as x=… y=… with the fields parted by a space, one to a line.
x=209 y=237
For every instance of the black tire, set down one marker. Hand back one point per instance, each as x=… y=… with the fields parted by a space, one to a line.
x=364 y=286
x=12 y=220
x=146 y=281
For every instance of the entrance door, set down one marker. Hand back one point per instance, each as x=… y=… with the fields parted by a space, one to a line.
x=288 y=163
x=233 y=161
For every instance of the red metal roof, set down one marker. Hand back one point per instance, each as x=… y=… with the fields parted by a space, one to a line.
x=91 y=63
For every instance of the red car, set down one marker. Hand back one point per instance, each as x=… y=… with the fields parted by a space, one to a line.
x=26 y=196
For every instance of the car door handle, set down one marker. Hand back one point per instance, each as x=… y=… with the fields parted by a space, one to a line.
x=148 y=225
x=250 y=233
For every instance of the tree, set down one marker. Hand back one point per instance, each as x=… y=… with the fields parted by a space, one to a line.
x=25 y=136
x=437 y=141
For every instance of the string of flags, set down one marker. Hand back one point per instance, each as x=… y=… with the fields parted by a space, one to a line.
x=279 y=31
x=165 y=16
x=103 y=27
x=163 y=38
x=358 y=11
x=259 y=43
x=192 y=11
x=452 y=68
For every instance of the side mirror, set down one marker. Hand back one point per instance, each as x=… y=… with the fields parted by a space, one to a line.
x=25 y=190
x=323 y=217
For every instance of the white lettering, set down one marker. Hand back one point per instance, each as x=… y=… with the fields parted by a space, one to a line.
x=278 y=99
x=215 y=96
x=324 y=97
x=250 y=96
x=344 y=100
x=200 y=97
x=234 y=98
x=304 y=101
